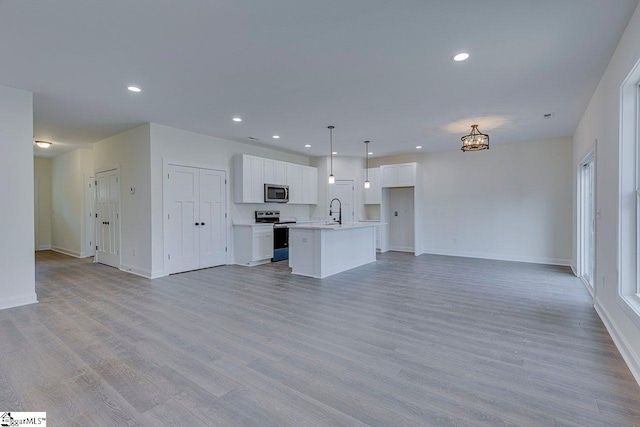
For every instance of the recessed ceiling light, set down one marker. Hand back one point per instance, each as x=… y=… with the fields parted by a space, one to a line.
x=135 y=89
x=418 y=146
x=307 y=146
x=461 y=56
x=276 y=136
x=237 y=119
x=370 y=152
x=43 y=144
x=334 y=152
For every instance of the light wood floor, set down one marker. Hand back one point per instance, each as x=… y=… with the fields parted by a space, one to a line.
x=405 y=341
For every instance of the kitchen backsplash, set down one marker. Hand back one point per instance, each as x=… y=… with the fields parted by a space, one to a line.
x=241 y=212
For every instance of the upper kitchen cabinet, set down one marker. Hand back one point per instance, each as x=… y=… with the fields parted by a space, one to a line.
x=373 y=194
x=402 y=175
x=248 y=173
x=251 y=173
x=309 y=185
x=275 y=172
x=294 y=181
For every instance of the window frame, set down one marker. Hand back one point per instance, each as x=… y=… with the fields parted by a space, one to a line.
x=628 y=257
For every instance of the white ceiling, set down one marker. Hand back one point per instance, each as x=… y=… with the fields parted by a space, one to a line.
x=377 y=70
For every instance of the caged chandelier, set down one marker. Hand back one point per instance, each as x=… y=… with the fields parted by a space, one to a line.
x=475 y=141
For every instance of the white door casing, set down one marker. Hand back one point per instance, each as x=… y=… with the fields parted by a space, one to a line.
x=90 y=215
x=108 y=220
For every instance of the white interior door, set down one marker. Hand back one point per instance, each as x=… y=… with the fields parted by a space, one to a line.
x=343 y=190
x=182 y=224
x=108 y=221
x=90 y=216
x=212 y=212
x=401 y=219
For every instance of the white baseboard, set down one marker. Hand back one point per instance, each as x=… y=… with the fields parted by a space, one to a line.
x=158 y=273
x=44 y=248
x=18 y=301
x=401 y=249
x=574 y=269
x=65 y=251
x=498 y=257
x=629 y=356
x=136 y=270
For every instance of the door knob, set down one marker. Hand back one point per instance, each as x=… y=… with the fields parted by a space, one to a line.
x=202 y=223
x=197 y=224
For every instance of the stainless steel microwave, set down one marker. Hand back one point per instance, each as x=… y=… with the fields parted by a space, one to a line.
x=274 y=193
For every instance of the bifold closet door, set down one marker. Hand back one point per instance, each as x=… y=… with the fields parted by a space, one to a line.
x=196 y=223
x=183 y=235
x=213 y=229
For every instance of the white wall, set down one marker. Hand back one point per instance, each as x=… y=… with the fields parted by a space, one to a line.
x=17 y=273
x=42 y=175
x=67 y=200
x=601 y=121
x=131 y=151
x=512 y=202
x=196 y=149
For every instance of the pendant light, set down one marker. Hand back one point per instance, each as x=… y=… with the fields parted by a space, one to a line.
x=475 y=141
x=332 y=178
x=367 y=184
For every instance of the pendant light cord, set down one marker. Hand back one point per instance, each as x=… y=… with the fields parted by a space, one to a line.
x=331 y=142
x=366 y=147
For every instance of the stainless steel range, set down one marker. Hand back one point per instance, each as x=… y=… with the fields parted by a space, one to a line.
x=280 y=233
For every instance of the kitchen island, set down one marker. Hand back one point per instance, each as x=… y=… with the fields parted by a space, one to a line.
x=322 y=250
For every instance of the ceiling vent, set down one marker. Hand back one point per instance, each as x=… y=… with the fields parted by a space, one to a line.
x=255 y=139
x=548 y=115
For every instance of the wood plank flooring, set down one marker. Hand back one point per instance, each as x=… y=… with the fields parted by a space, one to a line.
x=407 y=341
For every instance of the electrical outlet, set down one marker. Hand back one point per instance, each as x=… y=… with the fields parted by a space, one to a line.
x=455 y=240
x=134 y=252
x=602 y=281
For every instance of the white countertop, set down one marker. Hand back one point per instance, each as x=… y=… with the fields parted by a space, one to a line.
x=251 y=224
x=335 y=226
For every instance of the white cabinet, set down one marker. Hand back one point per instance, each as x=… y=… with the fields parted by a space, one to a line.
x=381 y=245
x=373 y=194
x=253 y=244
x=309 y=185
x=275 y=172
x=262 y=244
x=402 y=175
x=294 y=181
x=250 y=173
x=248 y=179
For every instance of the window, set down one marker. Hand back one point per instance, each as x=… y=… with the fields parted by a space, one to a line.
x=629 y=200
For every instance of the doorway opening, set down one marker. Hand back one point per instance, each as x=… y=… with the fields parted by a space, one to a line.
x=399 y=214
x=587 y=221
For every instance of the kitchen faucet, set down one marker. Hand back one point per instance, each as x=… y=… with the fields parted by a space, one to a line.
x=339 y=209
